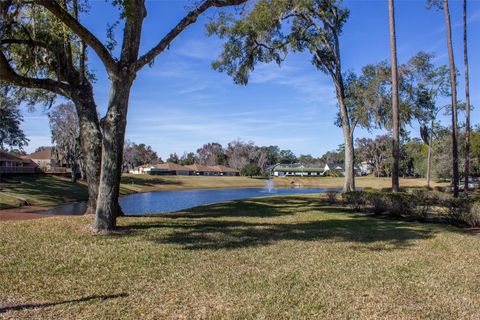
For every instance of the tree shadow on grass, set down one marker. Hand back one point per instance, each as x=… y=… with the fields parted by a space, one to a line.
x=20 y=307
x=212 y=227
x=214 y=235
x=47 y=188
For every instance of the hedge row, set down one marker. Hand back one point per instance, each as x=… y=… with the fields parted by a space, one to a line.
x=418 y=203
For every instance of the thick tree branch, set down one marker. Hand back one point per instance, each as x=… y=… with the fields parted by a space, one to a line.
x=89 y=38
x=190 y=18
x=9 y=75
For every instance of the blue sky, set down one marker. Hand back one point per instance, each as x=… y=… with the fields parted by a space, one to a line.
x=180 y=103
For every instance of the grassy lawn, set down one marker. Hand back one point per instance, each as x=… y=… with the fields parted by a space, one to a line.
x=142 y=183
x=40 y=190
x=290 y=257
x=48 y=190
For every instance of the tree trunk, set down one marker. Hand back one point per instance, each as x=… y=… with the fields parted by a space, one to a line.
x=73 y=174
x=429 y=154
x=113 y=128
x=453 y=79
x=395 y=111
x=349 y=182
x=91 y=142
x=467 y=101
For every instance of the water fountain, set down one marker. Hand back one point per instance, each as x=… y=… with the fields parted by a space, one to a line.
x=269 y=183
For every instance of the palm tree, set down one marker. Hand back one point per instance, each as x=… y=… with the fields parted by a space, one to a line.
x=467 y=100
x=395 y=112
x=453 y=83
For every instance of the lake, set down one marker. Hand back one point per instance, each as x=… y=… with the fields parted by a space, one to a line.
x=170 y=201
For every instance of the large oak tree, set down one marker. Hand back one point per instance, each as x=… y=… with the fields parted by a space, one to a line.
x=271 y=30
x=44 y=60
x=122 y=71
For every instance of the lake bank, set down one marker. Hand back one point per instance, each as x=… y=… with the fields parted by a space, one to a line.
x=49 y=191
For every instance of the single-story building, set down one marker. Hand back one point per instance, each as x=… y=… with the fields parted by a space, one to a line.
x=176 y=169
x=13 y=164
x=162 y=169
x=225 y=171
x=282 y=170
x=201 y=170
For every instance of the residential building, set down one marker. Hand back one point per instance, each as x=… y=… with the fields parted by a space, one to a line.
x=10 y=164
x=225 y=171
x=162 y=169
x=176 y=169
x=201 y=170
x=282 y=170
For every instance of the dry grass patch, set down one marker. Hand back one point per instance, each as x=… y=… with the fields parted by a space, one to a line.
x=275 y=258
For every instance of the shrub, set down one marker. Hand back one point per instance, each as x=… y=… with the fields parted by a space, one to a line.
x=400 y=203
x=356 y=200
x=378 y=201
x=423 y=201
x=472 y=216
x=456 y=208
x=331 y=196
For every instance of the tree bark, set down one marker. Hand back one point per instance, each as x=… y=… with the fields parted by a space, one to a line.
x=453 y=80
x=429 y=154
x=73 y=174
x=467 y=101
x=349 y=181
x=395 y=111
x=91 y=141
x=113 y=128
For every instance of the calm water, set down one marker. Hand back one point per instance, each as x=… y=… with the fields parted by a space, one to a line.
x=169 y=201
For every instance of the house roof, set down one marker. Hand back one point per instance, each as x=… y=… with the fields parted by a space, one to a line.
x=334 y=166
x=221 y=168
x=5 y=156
x=171 y=167
x=45 y=154
x=201 y=168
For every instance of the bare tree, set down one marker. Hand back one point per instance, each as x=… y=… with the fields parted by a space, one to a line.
x=66 y=135
x=210 y=154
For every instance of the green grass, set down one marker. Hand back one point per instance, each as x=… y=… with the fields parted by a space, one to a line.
x=40 y=190
x=284 y=257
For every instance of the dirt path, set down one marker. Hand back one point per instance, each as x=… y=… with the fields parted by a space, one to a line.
x=23 y=213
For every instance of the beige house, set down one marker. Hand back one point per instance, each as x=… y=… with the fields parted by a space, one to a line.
x=162 y=169
x=190 y=170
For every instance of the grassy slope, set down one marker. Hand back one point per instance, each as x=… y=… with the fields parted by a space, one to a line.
x=271 y=258
x=52 y=190
x=41 y=190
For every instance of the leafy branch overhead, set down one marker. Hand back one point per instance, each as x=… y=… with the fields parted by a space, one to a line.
x=275 y=27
